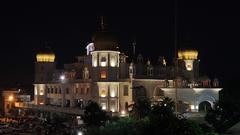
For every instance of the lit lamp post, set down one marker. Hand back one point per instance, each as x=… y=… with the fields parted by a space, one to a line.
x=79 y=133
x=62 y=78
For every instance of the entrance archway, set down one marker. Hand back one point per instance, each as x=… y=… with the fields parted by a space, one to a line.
x=204 y=106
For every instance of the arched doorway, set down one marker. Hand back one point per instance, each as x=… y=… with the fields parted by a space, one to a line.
x=204 y=106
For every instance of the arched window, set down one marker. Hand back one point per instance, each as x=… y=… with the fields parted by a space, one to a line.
x=150 y=71
x=103 y=74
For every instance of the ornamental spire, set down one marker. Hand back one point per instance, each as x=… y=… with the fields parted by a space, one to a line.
x=102 y=23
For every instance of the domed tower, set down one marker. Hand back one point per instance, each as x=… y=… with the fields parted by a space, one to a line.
x=44 y=65
x=105 y=57
x=44 y=68
x=105 y=69
x=188 y=63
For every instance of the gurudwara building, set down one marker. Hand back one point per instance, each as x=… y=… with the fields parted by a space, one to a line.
x=104 y=75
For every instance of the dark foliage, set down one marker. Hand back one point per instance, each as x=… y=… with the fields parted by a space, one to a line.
x=223 y=116
x=94 y=115
x=159 y=119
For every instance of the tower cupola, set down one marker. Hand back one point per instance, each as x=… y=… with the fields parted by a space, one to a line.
x=45 y=55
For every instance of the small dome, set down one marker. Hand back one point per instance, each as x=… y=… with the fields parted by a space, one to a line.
x=45 y=55
x=188 y=54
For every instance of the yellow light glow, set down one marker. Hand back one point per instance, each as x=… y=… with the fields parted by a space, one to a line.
x=164 y=62
x=103 y=93
x=95 y=63
x=41 y=92
x=188 y=54
x=45 y=57
x=10 y=98
x=113 y=63
x=104 y=64
x=189 y=64
x=104 y=107
x=35 y=91
x=113 y=110
x=113 y=94
x=123 y=113
x=192 y=107
x=41 y=103
x=103 y=74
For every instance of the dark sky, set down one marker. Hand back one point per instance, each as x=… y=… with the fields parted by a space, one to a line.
x=210 y=27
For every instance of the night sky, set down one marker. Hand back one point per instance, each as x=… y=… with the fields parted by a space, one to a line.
x=211 y=28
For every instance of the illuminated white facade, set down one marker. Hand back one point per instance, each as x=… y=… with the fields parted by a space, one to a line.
x=105 y=76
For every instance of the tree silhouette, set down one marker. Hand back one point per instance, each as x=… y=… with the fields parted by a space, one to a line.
x=141 y=108
x=94 y=115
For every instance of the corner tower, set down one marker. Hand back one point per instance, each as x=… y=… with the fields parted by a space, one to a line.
x=44 y=68
x=44 y=65
x=188 y=63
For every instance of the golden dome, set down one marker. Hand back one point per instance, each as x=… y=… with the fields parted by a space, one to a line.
x=41 y=57
x=188 y=54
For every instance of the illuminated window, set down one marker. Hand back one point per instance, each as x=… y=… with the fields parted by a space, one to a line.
x=125 y=90
x=104 y=106
x=95 y=63
x=113 y=92
x=103 y=74
x=113 y=61
x=94 y=59
x=41 y=92
x=103 y=61
x=192 y=107
x=113 y=105
x=35 y=91
x=103 y=93
x=189 y=67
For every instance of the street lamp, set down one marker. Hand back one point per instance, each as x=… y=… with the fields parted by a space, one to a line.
x=62 y=77
x=79 y=133
x=10 y=98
